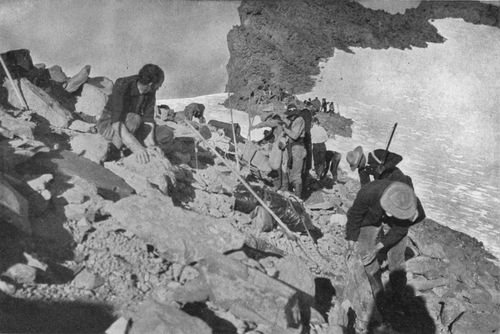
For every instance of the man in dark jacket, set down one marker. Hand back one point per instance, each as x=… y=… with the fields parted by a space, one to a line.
x=130 y=111
x=378 y=221
x=377 y=167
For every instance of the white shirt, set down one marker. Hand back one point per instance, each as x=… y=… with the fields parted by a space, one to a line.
x=318 y=134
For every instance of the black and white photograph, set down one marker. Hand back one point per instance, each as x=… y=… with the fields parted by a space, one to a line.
x=250 y=166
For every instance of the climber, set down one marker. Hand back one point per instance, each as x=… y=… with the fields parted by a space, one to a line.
x=319 y=136
x=128 y=118
x=295 y=134
x=378 y=221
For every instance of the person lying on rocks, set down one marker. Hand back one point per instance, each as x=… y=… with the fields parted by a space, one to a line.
x=128 y=118
x=378 y=223
x=192 y=110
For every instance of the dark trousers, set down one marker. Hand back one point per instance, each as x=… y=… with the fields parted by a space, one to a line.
x=367 y=240
x=332 y=162
x=319 y=156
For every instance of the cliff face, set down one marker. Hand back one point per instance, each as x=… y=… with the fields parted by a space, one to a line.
x=280 y=43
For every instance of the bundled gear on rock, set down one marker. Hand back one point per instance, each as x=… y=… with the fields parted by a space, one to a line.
x=288 y=209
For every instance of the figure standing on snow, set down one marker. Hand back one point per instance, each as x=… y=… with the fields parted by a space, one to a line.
x=128 y=118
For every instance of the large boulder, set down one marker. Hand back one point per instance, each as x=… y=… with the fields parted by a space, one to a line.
x=246 y=292
x=357 y=291
x=179 y=235
x=68 y=164
x=91 y=146
x=91 y=101
x=158 y=171
x=16 y=126
x=14 y=208
x=156 y=318
x=38 y=101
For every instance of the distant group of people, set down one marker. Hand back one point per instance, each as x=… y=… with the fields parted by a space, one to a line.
x=384 y=209
x=320 y=106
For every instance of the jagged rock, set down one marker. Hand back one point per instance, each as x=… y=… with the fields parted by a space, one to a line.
x=37 y=199
x=39 y=184
x=120 y=326
x=138 y=182
x=16 y=126
x=14 y=207
x=79 y=192
x=57 y=74
x=40 y=102
x=215 y=180
x=21 y=273
x=250 y=294
x=318 y=201
x=289 y=268
x=338 y=219
x=422 y=265
x=215 y=205
x=7 y=287
x=35 y=263
x=66 y=163
x=87 y=280
x=91 y=101
x=422 y=284
x=91 y=146
x=103 y=83
x=77 y=80
x=472 y=322
x=179 y=235
x=357 y=289
x=81 y=126
x=156 y=318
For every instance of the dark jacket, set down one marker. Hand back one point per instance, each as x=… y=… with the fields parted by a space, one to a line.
x=366 y=211
x=126 y=98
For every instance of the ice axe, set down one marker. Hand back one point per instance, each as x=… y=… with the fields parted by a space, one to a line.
x=386 y=154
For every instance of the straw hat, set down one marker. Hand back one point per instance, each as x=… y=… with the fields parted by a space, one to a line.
x=399 y=200
x=354 y=157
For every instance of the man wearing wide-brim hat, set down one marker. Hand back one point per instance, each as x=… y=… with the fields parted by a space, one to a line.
x=295 y=134
x=357 y=160
x=378 y=223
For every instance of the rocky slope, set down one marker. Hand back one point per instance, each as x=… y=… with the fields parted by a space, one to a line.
x=87 y=244
x=279 y=44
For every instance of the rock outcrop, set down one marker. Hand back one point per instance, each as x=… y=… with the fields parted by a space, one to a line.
x=279 y=44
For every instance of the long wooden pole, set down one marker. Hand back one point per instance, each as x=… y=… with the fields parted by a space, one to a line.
x=13 y=84
x=246 y=185
x=234 y=132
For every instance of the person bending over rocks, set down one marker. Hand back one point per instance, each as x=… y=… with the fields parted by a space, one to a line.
x=378 y=224
x=128 y=118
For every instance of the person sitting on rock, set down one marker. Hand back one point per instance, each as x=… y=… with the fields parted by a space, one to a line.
x=378 y=222
x=129 y=113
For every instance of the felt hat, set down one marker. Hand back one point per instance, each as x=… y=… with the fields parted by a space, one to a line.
x=354 y=157
x=399 y=200
x=376 y=157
